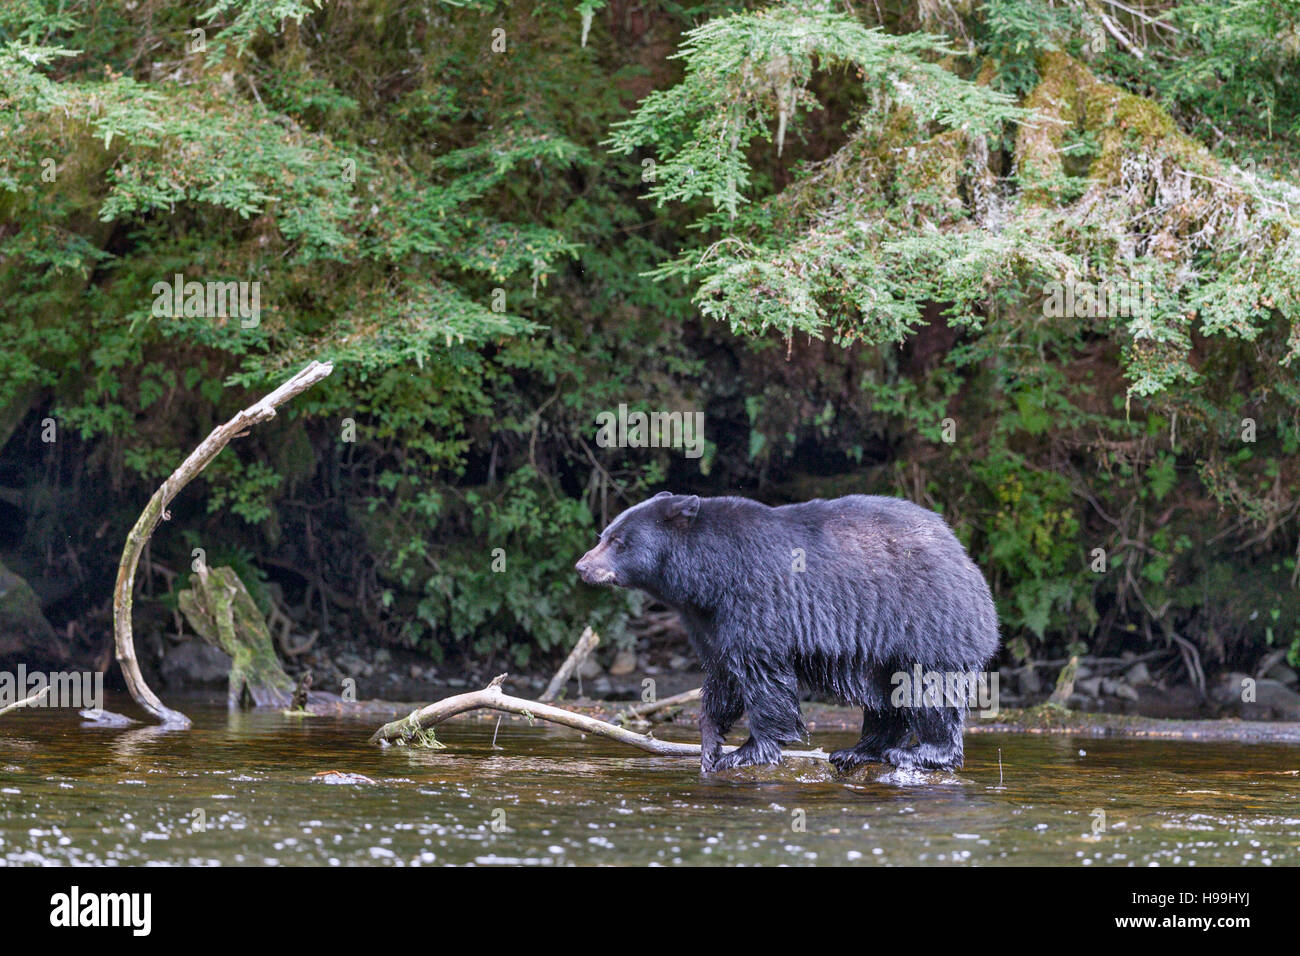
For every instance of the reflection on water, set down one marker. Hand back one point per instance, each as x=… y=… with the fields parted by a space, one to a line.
x=240 y=788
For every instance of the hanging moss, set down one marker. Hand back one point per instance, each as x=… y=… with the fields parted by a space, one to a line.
x=1069 y=98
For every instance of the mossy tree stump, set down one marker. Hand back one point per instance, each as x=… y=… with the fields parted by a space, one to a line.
x=219 y=608
x=1065 y=684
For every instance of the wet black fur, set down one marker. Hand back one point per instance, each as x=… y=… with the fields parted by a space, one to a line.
x=887 y=585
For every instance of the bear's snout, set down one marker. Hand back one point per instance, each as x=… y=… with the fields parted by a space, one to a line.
x=593 y=569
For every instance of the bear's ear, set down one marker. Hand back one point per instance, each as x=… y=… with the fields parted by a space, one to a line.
x=682 y=510
x=664 y=494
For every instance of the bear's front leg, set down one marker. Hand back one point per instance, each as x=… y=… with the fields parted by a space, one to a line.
x=720 y=705
x=711 y=741
x=772 y=706
x=752 y=753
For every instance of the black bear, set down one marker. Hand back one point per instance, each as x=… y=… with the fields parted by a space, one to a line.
x=851 y=596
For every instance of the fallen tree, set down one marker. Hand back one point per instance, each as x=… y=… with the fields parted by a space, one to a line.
x=415 y=726
x=156 y=511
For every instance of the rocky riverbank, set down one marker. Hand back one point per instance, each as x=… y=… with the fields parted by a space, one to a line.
x=1106 y=692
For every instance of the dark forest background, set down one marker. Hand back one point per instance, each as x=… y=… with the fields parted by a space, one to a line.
x=830 y=227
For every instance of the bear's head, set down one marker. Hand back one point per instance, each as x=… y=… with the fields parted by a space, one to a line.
x=633 y=551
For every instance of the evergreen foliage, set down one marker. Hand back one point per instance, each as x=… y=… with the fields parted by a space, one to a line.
x=839 y=231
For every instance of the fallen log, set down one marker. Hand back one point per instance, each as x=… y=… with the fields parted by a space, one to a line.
x=414 y=726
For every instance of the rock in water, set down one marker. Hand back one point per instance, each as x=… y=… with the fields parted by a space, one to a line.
x=105 y=718
x=341 y=777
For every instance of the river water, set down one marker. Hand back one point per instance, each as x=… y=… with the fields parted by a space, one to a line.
x=241 y=789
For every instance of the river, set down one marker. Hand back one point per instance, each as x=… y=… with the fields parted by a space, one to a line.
x=241 y=789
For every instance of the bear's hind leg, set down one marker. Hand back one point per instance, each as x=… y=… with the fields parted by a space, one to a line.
x=881 y=730
x=938 y=743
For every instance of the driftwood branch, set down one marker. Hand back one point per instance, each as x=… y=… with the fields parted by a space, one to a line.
x=27 y=701
x=156 y=511
x=492 y=697
x=654 y=706
x=586 y=644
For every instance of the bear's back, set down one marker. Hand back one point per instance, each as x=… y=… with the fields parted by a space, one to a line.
x=866 y=522
x=889 y=543
x=899 y=581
